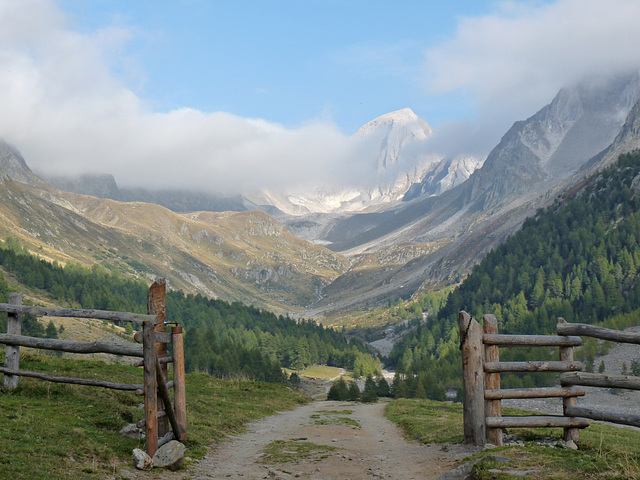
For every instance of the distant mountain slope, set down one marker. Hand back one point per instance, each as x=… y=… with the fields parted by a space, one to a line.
x=246 y=256
x=13 y=166
x=395 y=158
x=536 y=154
x=223 y=339
x=105 y=186
x=627 y=140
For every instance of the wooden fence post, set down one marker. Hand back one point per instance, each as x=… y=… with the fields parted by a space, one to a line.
x=566 y=355
x=157 y=305
x=150 y=387
x=12 y=353
x=492 y=408
x=473 y=379
x=179 y=385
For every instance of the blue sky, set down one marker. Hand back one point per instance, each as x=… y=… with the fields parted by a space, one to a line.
x=225 y=96
x=284 y=61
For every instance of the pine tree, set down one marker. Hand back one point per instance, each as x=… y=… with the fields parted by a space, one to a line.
x=370 y=393
x=51 y=331
x=294 y=379
x=420 y=392
x=354 y=391
x=339 y=390
x=383 y=388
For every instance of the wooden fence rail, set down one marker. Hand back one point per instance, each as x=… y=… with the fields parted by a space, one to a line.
x=138 y=318
x=482 y=352
x=600 y=380
x=153 y=351
x=483 y=420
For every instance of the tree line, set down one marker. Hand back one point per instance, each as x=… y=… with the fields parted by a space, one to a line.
x=221 y=338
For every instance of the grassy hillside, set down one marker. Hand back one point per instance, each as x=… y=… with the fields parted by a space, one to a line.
x=70 y=431
x=246 y=256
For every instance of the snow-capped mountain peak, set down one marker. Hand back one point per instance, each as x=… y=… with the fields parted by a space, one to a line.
x=400 y=118
x=395 y=161
x=394 y=130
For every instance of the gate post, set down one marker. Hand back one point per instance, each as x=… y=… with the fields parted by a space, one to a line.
x=150 y=387
x=12 y=353
x=179 y=385
x=493 y=408
x=473 y=379
x=566 y=355
x=157 y=305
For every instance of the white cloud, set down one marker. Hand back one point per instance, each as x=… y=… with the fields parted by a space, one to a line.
x=68 y=113
x=515 y=60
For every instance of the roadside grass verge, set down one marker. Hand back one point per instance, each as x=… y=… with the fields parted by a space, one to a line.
x=605 y=451
x=52 y=430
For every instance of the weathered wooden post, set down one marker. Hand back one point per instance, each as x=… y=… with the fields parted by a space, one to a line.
x=157 y=305
x=179 y=385
x=150 y=386
x=566 y=355
x=493 y=408
x=473 y=379
x=12 y=353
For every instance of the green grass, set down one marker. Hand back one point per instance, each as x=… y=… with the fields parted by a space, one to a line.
x=335 y=417
x=427 y=421
x=605 y=451
x=292 y=451
x=50 y=430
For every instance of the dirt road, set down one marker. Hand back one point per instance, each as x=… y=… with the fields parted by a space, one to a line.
x=327 y=440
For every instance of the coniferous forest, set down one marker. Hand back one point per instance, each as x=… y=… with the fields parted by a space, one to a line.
x=577 y=259
x=221 y=338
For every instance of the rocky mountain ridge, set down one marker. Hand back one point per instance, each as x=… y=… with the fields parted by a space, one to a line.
x=13 y=165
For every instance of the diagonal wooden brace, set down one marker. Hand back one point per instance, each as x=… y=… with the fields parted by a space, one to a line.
x=168 y=408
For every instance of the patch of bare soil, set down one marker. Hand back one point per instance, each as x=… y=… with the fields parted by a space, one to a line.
x=327 y=440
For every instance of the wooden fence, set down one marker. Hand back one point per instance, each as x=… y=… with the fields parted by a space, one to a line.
x=153 y=352
x=600 y=380
x=483 y=419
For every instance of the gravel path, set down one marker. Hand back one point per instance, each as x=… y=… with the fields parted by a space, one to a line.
x=366 y=444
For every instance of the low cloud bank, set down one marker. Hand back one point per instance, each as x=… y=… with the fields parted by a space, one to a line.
x=69 y=113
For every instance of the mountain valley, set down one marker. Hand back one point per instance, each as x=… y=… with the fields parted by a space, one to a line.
x=332 y=250
x=245 y=256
